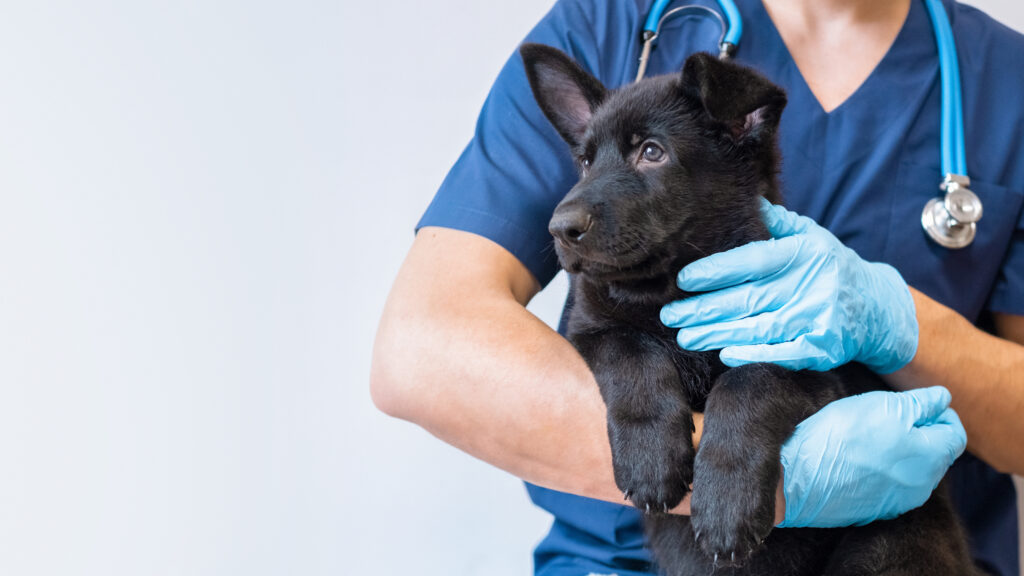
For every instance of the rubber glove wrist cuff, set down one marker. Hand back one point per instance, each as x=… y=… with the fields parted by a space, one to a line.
x=805 y=503
x=895 y=347
x=794 y=503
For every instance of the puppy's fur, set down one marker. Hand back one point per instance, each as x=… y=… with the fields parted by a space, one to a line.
x=671 y=170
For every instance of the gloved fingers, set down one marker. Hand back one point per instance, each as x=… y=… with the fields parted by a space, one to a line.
x=751 y=261
x=948 y=433
x=782 y=222
x=923 y=406
x=797 y=354
x=761 y=329
x=727 y=304
x=949 y=417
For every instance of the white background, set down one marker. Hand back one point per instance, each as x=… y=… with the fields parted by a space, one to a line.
x=202 y=206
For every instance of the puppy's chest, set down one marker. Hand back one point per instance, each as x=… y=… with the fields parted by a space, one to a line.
x=698 y=372
x=629 y=338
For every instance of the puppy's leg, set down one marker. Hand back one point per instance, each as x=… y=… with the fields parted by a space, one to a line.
x=650 y=424
x=750 y=413
x=670 y=539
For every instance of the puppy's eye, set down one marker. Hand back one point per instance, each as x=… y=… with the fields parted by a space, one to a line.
x=585 y=162
x=652 y=152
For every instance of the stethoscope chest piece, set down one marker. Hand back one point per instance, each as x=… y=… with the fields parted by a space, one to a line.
x=950 y=221
x=943 y=228
x=962 y=204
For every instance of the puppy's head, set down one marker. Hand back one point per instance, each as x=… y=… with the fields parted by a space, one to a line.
x=670 y=168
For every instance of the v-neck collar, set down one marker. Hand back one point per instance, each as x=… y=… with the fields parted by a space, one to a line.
x=885 y=78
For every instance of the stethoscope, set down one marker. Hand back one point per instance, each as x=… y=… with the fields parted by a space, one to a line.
x=950 y=221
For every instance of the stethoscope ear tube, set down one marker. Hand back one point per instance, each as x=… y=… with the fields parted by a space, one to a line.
x=732 y=28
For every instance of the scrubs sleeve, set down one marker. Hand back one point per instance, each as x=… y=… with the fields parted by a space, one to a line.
x=507 y=181
x=993 y=119
x=1008 y=294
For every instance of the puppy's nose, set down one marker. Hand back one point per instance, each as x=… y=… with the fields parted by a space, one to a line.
x=570 y=225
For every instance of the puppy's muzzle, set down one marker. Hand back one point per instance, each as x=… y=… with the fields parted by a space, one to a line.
x=570 y=224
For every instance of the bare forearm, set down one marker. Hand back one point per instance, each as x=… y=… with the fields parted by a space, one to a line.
x=466 y=361
x=510 y=394
x=984 y=373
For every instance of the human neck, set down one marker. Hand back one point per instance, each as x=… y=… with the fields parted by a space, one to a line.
x=825 y=13
x=836 y=44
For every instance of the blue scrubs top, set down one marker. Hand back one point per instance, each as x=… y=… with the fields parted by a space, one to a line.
x=863 y=170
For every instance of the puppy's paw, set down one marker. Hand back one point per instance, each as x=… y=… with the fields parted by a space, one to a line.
x=653 y=465
x=733 y=505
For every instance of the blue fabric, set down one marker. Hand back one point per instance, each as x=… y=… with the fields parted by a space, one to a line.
x=864 y=171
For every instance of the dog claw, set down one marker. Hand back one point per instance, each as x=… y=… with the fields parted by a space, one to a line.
x=664 y=508
x=626 y=494
x=696 y=536
x=715 y=561
x=648 y=508
x=732 y=558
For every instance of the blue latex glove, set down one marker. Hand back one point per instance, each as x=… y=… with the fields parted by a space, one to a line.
x=801 y=300
x=869 y=457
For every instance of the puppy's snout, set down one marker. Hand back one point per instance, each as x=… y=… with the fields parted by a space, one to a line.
x=570 y=225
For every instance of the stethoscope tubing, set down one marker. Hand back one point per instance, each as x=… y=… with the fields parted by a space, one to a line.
x=732 y=15
x=954 y=160
x=733 y=32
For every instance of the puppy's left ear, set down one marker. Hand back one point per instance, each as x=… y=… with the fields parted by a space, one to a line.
x=744 y=101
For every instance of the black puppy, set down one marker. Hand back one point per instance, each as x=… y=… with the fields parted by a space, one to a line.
x=671 y=169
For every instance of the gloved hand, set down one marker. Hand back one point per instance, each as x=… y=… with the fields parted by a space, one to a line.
x=801 y=300
x=869 y=457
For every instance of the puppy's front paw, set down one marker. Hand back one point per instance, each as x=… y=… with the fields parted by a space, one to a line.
x=653 y=464
x=733 y=504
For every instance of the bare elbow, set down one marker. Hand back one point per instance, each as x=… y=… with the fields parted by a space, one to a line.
x=397 y=366
x=386 y=391
x=382 y=392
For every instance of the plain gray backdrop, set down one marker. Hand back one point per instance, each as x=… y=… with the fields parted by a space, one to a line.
x=202 y=207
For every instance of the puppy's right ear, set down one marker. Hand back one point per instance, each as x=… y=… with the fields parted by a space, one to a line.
x=567 y=94
x=736 y=96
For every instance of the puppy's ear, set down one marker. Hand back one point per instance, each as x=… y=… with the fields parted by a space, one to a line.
x=567 y=94
x=746 y=102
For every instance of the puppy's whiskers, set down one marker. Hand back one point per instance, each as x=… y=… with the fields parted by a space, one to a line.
x=697 y=248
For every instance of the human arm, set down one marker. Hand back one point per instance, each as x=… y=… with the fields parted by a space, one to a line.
x=984 y=372
x=458 y=354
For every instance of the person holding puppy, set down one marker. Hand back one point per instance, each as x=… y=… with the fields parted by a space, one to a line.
x=459 y=354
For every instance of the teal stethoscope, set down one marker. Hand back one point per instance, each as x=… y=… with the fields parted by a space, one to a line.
x=950 y=221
